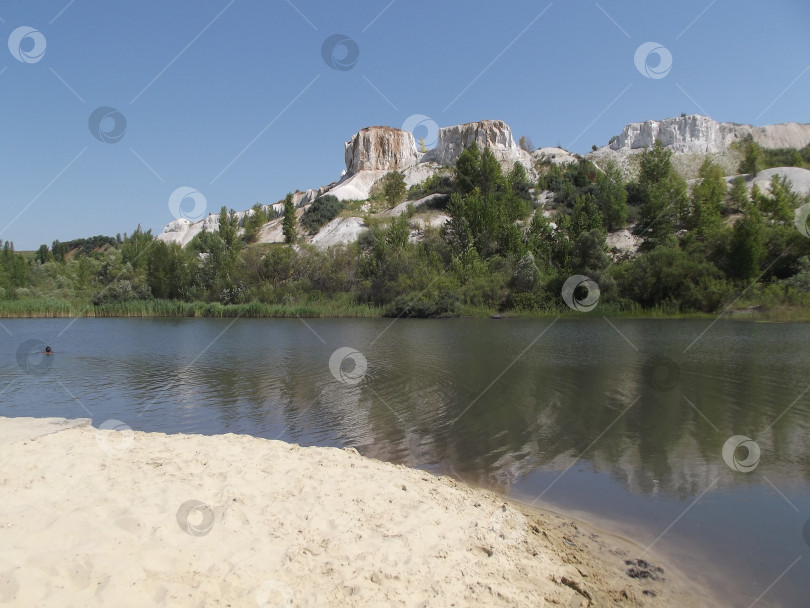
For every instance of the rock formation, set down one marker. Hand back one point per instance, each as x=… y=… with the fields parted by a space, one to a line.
x=182 y=231
x=374 y=151
x=701 y=134
x=380 y=149
x=493 y=134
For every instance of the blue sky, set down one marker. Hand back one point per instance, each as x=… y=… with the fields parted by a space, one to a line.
x=234 y=99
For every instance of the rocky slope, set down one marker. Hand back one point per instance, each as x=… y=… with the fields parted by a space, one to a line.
x=374 y=151
x=691 y=138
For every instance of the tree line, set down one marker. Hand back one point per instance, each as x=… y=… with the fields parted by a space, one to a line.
x=702 y=247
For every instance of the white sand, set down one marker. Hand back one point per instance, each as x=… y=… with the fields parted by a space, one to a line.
x=92 y=518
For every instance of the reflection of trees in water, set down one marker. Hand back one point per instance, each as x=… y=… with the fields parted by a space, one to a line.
x=546 y=410
x=545 y=415
x=660 y=443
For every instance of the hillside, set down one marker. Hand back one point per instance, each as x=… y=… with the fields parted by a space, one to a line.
x=375 y=151
x=679 y=216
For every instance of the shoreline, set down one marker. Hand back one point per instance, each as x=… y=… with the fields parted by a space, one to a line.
x=95 y=517
x=216 y=311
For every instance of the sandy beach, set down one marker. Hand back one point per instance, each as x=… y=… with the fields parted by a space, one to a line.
x=95 y=517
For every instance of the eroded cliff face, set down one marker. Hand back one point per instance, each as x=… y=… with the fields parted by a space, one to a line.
x=380 y=149
x=493 y=134
x=701 y=134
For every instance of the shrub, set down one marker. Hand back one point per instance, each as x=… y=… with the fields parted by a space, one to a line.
x=393 y=188
x=122 y=291
x=322 y=211
x=438 y=183
x=423 y=306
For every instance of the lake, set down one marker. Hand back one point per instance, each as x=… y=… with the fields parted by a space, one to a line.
x=622 y=421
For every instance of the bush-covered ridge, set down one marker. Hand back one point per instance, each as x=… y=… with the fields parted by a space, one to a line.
x=702 y=249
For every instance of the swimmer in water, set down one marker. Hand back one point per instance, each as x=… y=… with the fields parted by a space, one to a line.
x=48 y=350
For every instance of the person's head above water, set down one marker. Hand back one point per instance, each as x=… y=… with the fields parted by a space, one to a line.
x=48 y=349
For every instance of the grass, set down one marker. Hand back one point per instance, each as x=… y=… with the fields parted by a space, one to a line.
x=346 y=307
x=172 y=308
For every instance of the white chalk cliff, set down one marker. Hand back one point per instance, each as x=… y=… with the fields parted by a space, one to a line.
x=380 y=149
x=374 y=151
x=493 y=134
x=701 y=134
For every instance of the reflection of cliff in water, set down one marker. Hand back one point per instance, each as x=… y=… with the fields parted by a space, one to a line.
x=458 y=398
x=651 y=439
x=624 y=412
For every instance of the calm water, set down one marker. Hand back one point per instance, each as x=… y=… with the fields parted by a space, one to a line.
x=624 y=422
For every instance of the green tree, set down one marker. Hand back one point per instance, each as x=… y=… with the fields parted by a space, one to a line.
x=228 y=229
x=422 y=146
x=758 y=199
x=746 y=249
x=586 y=217
x=475 y=169
x=43 y=255
x=288 y=224
x=668 y=276
x=169 y=271
x=253 y=222
x=752 y=161
x=663 y=198
x=589 y=255
x=527 y=275
x=398 y=233
x=394 y=188
x=708 y=197
x=320 y=212
x=611 y=197
x=14 y=271
x=59 y=250
x=540 y=240
x=135 y=246
x=491 y=178
x=519 y=182
x=782 y=201
x=739 y=196
x=468 y=166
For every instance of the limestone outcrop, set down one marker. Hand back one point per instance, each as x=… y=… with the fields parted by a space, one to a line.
x=374 y=151
x=380 y=149
x=701 y=134
x=493 y=134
